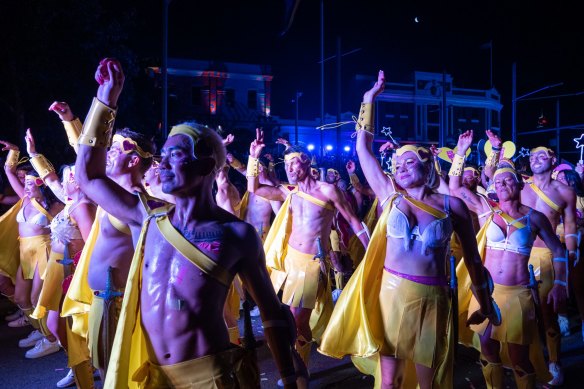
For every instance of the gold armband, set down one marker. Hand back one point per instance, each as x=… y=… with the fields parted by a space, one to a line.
x=457 y=166
x=236 y=164
x=493 y=159
x=42 y=165
x=252 y=167
x=12 y=158
x=355 y=182
x=365 y=121
x=99 y=124
x=73 y=130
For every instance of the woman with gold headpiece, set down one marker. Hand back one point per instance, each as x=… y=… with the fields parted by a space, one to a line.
x=510 y=232
x=404 y=314
x=31 y=217
x=69 y=230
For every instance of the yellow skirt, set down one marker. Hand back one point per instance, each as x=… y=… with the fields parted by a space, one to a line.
x=97 y=321
x=541 y=259
x=34 y=251
x=518 y=325
x=221 y=370
x=301 y=281
x=416 y=320
x=52 y=290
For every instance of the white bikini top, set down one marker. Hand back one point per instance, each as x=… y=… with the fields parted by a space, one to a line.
x=519 y=241
x=436 y=234
x=39 y=219
x=63 y=227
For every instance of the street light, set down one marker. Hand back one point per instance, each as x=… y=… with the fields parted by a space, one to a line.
x=515 y=99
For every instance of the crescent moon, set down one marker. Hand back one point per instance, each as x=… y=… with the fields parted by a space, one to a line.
x=416 y=20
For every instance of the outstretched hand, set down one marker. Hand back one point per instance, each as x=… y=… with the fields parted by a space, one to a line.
x=30 y=145
x=283 y=142
x=228 y=140
x=110 y=77
x=494 y=139
x=378 y=87
x=350 y=166
x=464 y=142
x=8 y=146
x=386 y=147
x=256 y=147
x=62 y=109
x=434 y=150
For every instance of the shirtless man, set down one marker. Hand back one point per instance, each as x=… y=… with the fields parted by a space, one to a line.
x=171 y=330
x=555 y=200
x=291 y=245
x=107 y=260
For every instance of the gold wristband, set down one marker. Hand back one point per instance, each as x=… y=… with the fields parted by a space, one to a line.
x=236 y=164
x=42 y=165
x=12 y=158
x=99 y=124
x=457 y=166
x=73 y=130
x=365 y=121
x=252 y=167
x=493 y=159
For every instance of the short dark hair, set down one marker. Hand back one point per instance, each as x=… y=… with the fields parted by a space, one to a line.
x=145 y=143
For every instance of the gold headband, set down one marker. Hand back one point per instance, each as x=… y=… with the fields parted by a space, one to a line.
x=296 y=154
x=191 y=132
x=125 y=142
x=549 y=152
x=415 y=149
x=37 y=180
x=506 y=170
x=472 y=169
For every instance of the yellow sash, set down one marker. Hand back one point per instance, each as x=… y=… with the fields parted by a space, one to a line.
x=9 y=249
x=544 y=197
x=314 y=200
x=41 y=209
x=118 y=225
x=192 y=253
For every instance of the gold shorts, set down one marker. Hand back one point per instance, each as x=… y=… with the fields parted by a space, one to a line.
x=416 y=320
x=518 y=325
x=34 y=252
x=52 y=290
x=301 y=282
x=541 y=259
x=222 y=370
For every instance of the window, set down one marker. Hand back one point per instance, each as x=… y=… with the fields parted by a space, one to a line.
x=252 y=99
x=230 y=97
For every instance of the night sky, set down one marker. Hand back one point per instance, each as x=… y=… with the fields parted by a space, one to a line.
x=51 y=48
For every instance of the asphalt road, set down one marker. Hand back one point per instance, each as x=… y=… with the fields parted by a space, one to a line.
x=19 y=372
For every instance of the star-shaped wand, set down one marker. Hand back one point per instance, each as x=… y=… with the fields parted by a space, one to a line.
x=580 y=145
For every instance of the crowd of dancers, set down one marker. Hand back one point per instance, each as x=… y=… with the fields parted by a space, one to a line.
x=136 y=263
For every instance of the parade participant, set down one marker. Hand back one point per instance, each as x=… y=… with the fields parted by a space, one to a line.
x=171 y=330
x=256 y=210
x=555 y=200
x=69 y=229
x=292 y=243
x=227 y=196
x=95 y=296
x=33 y=214
x=510 y=231
x=153 y=185
x=405 y=315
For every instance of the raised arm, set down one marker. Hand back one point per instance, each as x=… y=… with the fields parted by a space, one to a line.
x=455 y=185
x=96 y=137
x=10 y=167
x=72 y=124
x=569 y=218
x=253 y=182
x=493 y=158
x=379 y=182
x=44 y=168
